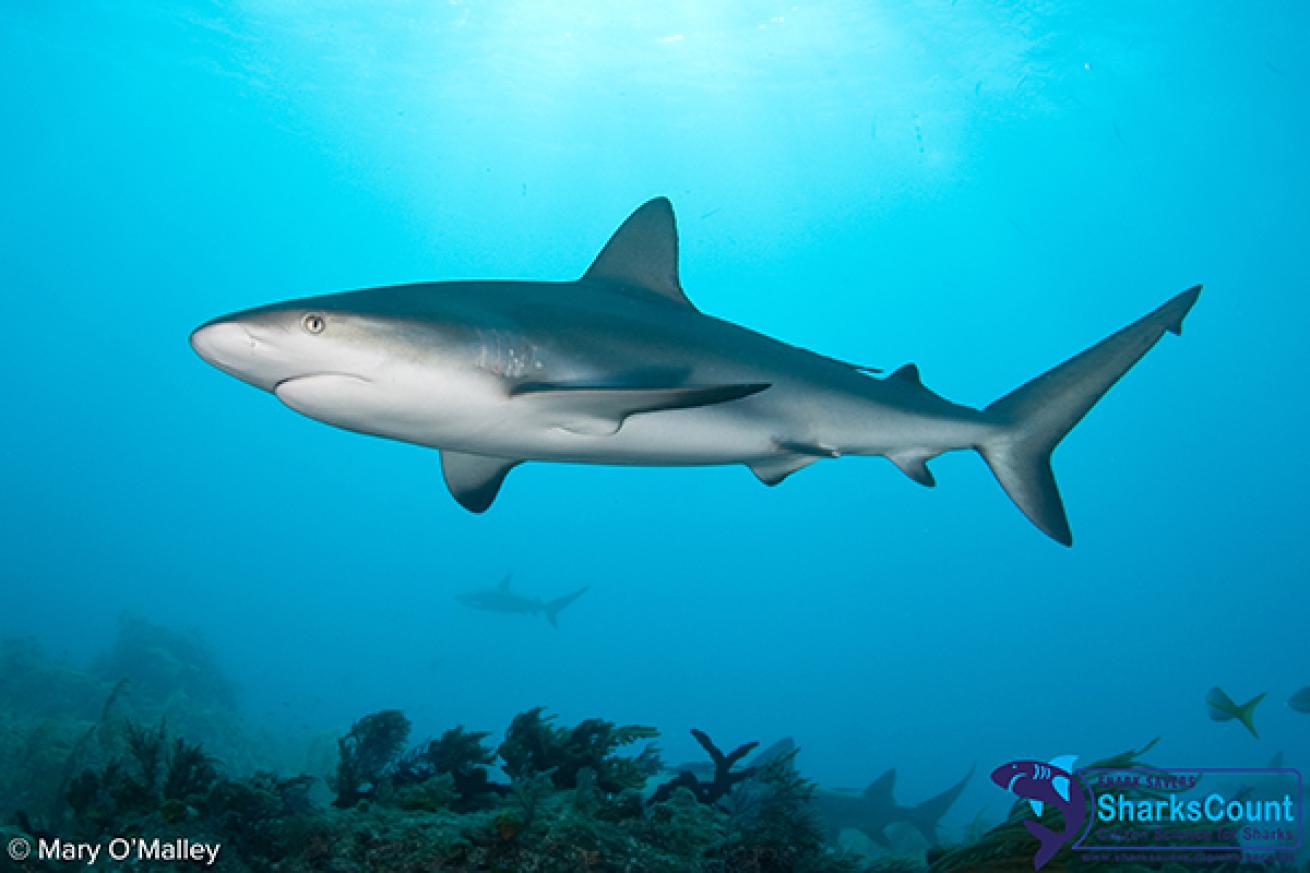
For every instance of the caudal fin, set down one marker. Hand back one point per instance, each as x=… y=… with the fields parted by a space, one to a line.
x=553 y=607
x=928 y=814
x=1246 y=714
x=1033 y=419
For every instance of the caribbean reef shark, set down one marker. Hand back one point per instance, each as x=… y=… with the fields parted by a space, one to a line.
x=502 y=599
x=619 y=367
x=874 y=810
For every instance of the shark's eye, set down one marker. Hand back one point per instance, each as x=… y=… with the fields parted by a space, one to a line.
x=313 y=322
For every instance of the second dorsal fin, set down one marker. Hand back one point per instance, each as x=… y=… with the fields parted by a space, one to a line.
x=908 y=374
x=643 y=253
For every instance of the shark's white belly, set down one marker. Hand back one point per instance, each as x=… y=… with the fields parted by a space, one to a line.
x=471 y=413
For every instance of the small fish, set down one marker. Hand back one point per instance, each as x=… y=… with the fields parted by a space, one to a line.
x=1300 y=701
x=1222 y=708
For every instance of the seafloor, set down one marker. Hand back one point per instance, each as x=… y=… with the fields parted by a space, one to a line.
x=149 y=742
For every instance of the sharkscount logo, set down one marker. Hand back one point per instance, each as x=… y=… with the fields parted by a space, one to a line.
x=1042 y=783
x=1148 y=814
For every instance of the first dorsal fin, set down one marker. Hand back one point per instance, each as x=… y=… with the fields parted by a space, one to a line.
x=504 y=583
x=881 y=789
x=643 y=253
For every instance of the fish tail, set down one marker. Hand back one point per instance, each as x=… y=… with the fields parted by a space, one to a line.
x=1246 y=714
x=1050 y=843
x=1030 y=421
x=927 y=814
x=553 y=608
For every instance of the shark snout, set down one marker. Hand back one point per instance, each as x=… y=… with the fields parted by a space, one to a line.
x=236 y=350
x=222 y=343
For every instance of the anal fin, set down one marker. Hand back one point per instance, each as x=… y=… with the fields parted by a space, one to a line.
x=475 y=480
x=774 y=469
x=914 y=463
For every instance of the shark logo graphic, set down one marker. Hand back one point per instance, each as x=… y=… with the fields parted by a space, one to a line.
x=1041 y=783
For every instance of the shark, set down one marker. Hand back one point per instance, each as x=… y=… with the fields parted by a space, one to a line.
x=503 y=599
x=873 y=811
x=620 y=367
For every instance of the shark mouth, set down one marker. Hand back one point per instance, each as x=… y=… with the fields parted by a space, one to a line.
x=336 y=398
x=328 y=378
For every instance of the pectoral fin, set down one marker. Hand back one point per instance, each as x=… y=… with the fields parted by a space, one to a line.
x=600 y=410
x=1037 y=806
x=1061 y=786
x=475 y=480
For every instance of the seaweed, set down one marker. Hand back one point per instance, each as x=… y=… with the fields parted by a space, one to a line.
x=460 y=757
x=190 y=771
x=771 y=825
x=146 y=746
x=1130 y=758
x=533 y=745
x=367 y=752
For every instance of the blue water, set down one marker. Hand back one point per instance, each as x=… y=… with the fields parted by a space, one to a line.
x=981 y=188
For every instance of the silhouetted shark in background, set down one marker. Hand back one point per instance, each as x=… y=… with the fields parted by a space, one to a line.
x=502 y=599
x=873 y=810
x=620 y=368
x=870 y=812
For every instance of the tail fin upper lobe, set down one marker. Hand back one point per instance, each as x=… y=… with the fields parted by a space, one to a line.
x=928 y=813
x=1034 y=418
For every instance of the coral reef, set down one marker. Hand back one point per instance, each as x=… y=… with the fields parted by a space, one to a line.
x=574 y=801
x=724 y=777
x=99 y=756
